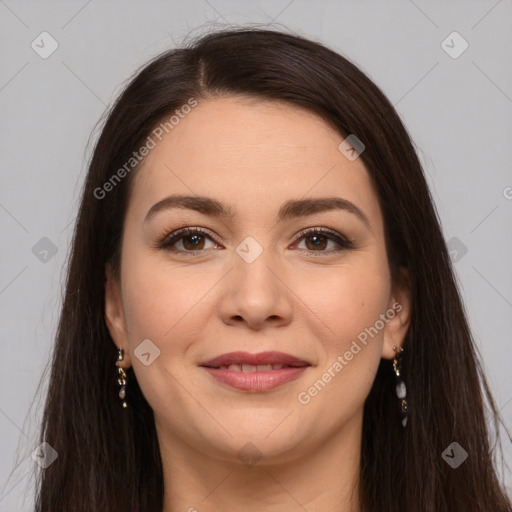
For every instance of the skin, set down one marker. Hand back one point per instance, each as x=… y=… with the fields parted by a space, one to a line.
x=295 y=297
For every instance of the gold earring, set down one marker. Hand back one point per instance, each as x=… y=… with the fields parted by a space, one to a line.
x=121 y=378
x=401 y=391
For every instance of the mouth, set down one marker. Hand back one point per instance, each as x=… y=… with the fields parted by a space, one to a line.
x=251 y=368
x=255 y=372
x=265 y=361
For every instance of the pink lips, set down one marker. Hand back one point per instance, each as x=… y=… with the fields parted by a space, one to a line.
x=276 y=368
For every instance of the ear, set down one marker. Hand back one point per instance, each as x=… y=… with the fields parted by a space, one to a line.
x=114 y=315
x=399 y=314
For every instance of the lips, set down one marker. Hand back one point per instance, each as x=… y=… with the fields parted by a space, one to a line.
x=255 y=373
x=249 y=368
x=247 y=362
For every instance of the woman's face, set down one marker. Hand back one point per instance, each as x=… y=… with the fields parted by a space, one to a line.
x=250 y=282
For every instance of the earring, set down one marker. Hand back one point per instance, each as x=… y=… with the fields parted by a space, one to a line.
x=121 y=379
x=401 y=391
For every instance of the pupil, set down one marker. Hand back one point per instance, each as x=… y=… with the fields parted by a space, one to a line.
x=196 y=241
x=318 y=240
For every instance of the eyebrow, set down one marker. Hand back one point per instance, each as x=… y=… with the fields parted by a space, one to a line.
x=289 y=210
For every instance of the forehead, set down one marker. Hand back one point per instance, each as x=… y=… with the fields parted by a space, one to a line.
x=239 y=128
x=247 y=152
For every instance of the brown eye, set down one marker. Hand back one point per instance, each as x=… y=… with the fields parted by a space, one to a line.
x=317 y=240
x=193 y=242
x=190 y=239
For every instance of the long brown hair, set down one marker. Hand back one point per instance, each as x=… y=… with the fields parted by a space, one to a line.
x=109 y=457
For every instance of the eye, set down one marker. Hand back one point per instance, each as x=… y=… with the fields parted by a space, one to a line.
x=317 y=239
x=193 y=240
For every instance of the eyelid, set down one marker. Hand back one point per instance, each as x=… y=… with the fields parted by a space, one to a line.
x=167 y=240
x=324 y=231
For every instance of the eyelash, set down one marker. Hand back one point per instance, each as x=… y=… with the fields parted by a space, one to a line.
x=168 y=240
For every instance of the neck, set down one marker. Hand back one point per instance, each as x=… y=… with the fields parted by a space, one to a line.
x=320 y=478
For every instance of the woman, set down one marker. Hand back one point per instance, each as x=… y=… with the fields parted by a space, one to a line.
x=260 y=311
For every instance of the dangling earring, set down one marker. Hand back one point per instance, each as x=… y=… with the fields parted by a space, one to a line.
x=121 y=379
x=401 y=391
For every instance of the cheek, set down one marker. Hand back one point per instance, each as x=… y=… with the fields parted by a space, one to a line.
x=165 y=303
x=344 y=307
x=352 y=345
x=344 y=301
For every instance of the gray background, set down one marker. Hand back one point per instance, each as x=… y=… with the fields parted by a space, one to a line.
x=458 y=111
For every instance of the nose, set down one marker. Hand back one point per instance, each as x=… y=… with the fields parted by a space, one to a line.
x=255 y=294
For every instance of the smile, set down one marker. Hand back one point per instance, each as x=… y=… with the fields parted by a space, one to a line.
x=250 y=368
x=255 y=373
